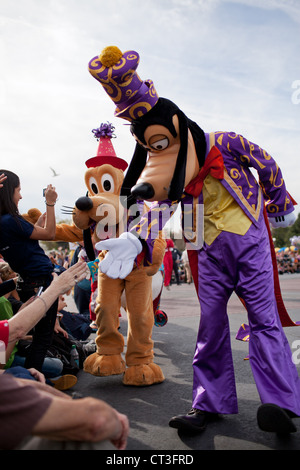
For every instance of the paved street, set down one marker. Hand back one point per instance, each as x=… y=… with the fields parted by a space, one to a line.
x=150 y=408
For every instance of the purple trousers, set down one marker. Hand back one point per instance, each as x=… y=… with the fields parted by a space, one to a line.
x=241 y=264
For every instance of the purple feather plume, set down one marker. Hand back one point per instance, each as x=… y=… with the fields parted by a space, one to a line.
x=105 y=130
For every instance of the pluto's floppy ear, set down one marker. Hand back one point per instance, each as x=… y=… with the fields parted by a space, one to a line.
x=135 y=168
x=177 y=182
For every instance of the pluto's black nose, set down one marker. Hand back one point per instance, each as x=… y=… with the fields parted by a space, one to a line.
x=84 y=203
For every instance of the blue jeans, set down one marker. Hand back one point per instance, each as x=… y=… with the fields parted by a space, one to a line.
x=21 y=373
x=43 y=330
x=52 y=366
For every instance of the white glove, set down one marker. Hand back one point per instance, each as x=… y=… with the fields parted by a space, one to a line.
x=282 y=220
x=122 y=251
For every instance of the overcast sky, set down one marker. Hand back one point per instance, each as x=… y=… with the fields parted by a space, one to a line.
x=229 y=65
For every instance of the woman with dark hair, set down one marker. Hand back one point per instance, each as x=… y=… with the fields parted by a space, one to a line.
x=19 y=246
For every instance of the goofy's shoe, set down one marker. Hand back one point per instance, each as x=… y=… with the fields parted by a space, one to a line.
x=273 y=418
x=193 y=422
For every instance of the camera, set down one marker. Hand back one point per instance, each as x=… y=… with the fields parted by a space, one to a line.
x=39 y=292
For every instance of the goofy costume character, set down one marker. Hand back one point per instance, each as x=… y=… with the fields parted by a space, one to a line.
x=209 y=174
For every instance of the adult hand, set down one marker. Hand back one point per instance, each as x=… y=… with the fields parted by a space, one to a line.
x=50 y=195
x=2 y=178
x=121 y=441
x=59 y=329
x=39 y=377
x=66 y=280
x=87 y=419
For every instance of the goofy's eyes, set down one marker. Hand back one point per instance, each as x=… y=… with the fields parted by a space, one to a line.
x=161 y=144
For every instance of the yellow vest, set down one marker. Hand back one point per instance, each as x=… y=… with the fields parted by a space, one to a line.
x=221 y=211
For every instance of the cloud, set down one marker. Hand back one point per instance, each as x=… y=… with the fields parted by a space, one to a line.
x=229 y=65
x=289 y=7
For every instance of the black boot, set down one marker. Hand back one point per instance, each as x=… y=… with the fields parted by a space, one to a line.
x=272 y=418
x=194 y=421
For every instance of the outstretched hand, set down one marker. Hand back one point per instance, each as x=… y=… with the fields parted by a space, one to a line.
x=76 y=273
x=122 y=251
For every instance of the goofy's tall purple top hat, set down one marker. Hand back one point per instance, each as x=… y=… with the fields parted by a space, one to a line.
x=137 y=101
x=117 y=74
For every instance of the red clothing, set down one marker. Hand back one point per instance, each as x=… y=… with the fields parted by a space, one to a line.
x=168 y=262
x=4 y=334
x=4 y=331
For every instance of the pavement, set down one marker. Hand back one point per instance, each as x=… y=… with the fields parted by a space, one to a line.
x=150 y=408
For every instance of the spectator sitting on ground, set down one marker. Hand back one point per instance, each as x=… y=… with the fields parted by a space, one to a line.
x=6 y=274
x=7 y=286
x=43 y=411
x=52 y=367
x=20 y=322
x=73 y=324
x=63 y=423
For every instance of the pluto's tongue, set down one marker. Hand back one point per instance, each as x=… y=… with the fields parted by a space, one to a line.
x=105 y=232
x=110 y=231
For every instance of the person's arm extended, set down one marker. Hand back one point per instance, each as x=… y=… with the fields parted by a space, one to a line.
x=29 y=316
x=87 y=419
x=48 y=231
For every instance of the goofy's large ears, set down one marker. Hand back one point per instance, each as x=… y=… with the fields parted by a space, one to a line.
x=133 y=173
x=177 y=183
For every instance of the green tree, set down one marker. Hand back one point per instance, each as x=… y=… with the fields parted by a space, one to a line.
x=282 y=236
x=295 y=229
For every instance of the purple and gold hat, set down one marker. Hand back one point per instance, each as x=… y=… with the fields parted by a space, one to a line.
x=117 y=74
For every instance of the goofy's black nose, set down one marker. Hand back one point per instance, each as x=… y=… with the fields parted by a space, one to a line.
x=84 y=203
x=143 y=191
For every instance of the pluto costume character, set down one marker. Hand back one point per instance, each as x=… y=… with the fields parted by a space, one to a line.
x=212 y=171
x=101 y=208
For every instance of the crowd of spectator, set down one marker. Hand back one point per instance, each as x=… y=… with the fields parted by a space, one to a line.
x=35 y=413
x=288 y=260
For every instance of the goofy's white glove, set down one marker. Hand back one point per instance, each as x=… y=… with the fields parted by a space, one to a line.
x=122 y=251
x=282 y=220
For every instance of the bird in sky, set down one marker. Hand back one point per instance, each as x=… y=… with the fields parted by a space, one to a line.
x=54 y=172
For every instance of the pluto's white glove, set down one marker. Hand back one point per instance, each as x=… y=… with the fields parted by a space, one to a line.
x=122 y=251
x=282 y=220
